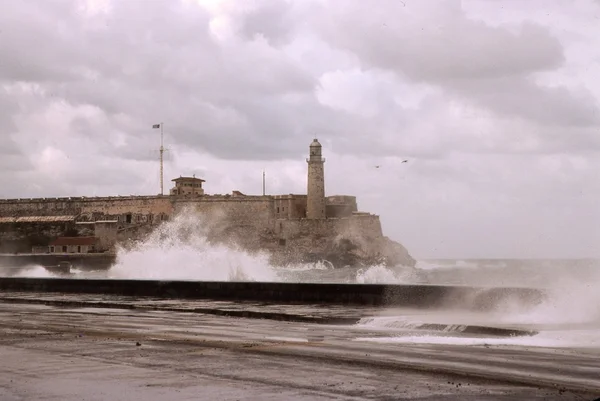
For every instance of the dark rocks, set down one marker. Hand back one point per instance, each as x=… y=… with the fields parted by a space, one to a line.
x=343 y=251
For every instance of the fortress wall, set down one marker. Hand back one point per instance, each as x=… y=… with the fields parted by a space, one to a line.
x=254 y=211
x=337 y=206
x=136 y=206
x=88 y=208
x=289 y=206
x=291 y=229
x=246 y=221
x=364 y=225
x=131 y=211
x=36 y=207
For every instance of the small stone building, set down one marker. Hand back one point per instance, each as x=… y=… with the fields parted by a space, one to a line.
x=187 y=186
x=73 y=245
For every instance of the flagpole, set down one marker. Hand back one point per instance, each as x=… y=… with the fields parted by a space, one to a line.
x=263 y=182
x=162 y=150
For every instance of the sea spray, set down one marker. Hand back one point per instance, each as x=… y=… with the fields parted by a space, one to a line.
x=567 y=315
x=588 y=339
x=383 y=275
x=34 y=271
x=570 y=300
x=179 y=250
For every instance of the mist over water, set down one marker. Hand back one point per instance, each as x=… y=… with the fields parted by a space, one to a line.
x=180 y=250
x=569 y=316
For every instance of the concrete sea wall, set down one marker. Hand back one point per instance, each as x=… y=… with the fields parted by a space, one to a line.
x=419 y=296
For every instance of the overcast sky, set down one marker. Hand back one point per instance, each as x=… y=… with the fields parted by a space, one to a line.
x=494 y=103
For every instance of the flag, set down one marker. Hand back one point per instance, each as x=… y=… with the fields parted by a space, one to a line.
x=156 y=126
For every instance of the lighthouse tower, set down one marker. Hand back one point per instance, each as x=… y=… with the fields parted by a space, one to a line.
x=315 y=202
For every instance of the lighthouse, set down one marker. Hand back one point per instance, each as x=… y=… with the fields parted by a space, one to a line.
x=315 y=202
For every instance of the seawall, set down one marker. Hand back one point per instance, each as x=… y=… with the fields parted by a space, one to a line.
x=418 y=296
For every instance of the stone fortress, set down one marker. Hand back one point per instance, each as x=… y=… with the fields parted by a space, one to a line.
x=290 y=228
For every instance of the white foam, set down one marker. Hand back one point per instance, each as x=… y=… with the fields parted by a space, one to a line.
x=179 y=250
x=395 y=323
x=35 y=272
x=388 y=322
x=550 y=339
x=569 y=315
x=301 y=267
x=380 y=274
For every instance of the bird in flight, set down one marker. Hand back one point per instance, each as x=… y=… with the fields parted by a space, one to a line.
x=403 y=161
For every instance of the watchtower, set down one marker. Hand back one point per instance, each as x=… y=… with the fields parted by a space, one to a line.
x=315 y=202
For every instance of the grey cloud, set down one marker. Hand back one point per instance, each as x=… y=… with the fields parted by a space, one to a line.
x=259 y=128
x=487 y=65
x=162 y=64
x=246 y=99
x=440 y=45
x=12 y=157
x=8 y=109
x=141 y=144
x=13 y=162
x=273 y=19
x=110 y=175
x=520 y=96
x=10 y=149
x=37 y=42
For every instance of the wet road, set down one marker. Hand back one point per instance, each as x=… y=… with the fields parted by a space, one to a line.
x=64 y=353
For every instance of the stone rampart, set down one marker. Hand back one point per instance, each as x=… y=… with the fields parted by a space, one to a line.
x=358 y=225
x=364 y=225
x=118 y=207
x=246 y=221
x=354 y=240
x=289 y=206
x=251 y=210
x=139 y=209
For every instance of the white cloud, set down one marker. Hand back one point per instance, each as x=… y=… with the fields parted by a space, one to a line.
x=494 y=104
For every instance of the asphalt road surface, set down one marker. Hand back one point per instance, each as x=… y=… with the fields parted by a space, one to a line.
x=70 y=353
